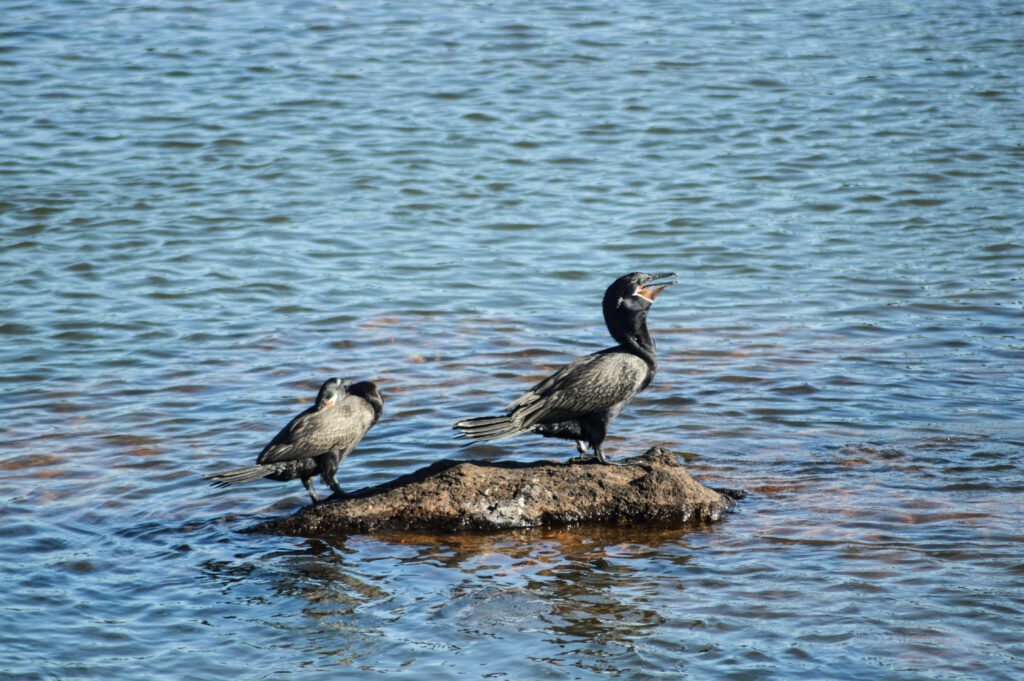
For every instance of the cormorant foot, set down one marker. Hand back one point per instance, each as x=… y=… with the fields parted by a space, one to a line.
x=601 y=458
x=595 y=458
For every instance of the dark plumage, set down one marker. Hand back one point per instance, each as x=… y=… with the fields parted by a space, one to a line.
x=316 y=440
x=578 y=401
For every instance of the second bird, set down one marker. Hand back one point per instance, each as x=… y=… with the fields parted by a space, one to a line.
x=316 y=440
x=579 y=400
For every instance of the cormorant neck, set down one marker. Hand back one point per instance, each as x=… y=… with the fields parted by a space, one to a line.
x=378 y=407
x=632 y=334
x=371 y=395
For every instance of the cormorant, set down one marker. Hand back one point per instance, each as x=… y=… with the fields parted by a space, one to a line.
x=316 y=440
x=578 y=401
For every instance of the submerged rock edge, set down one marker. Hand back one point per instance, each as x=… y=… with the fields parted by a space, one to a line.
x=452 y=496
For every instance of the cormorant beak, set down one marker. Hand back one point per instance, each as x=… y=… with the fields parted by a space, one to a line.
x=653 y=288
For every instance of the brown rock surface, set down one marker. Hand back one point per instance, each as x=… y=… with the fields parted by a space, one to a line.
x=452 y=496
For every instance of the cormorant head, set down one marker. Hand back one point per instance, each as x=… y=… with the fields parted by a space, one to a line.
x=330 y=392
x=371 y=393
x=636 y=291
x=627 y=300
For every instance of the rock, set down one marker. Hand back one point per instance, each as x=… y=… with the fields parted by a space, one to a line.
x=453 y=496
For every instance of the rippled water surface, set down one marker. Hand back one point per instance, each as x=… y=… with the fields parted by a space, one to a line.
x=209 y=208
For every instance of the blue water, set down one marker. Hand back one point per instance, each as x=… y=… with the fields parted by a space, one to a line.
x=207 y=209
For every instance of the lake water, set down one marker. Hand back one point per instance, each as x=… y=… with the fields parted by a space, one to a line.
x=206 y=209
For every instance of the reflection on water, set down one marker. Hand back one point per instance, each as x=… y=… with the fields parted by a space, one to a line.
x=208 y=209
x=565 y=586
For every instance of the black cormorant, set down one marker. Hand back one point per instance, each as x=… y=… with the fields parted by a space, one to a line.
x=316 y=440
x=578 y=401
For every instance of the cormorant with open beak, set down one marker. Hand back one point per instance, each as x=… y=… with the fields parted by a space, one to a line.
x=581 y=399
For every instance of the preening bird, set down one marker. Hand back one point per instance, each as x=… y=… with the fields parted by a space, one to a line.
x=316 y=440
x=582 y=398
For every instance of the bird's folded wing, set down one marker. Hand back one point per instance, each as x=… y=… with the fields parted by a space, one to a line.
x=592 y=383
x=312 y=434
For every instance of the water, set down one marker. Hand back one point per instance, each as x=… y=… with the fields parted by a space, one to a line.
x=209 y=208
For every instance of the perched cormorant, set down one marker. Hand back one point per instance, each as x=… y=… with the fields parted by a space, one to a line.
x=578 y=401
x=316 y=440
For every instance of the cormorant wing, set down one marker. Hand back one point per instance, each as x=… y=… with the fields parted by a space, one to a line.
x=588 y=384
x=313 y=433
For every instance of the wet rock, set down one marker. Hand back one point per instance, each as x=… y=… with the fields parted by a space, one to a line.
x=453 y=496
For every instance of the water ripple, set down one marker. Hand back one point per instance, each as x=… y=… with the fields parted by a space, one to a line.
x=207 y=209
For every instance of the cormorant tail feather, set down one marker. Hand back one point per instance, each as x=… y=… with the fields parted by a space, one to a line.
x=491 y=427
x=237 y=475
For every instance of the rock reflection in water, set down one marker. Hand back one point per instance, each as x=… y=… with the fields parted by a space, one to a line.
x=588 y=595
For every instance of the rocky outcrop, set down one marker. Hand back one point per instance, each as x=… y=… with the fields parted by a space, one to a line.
x=453 y=496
